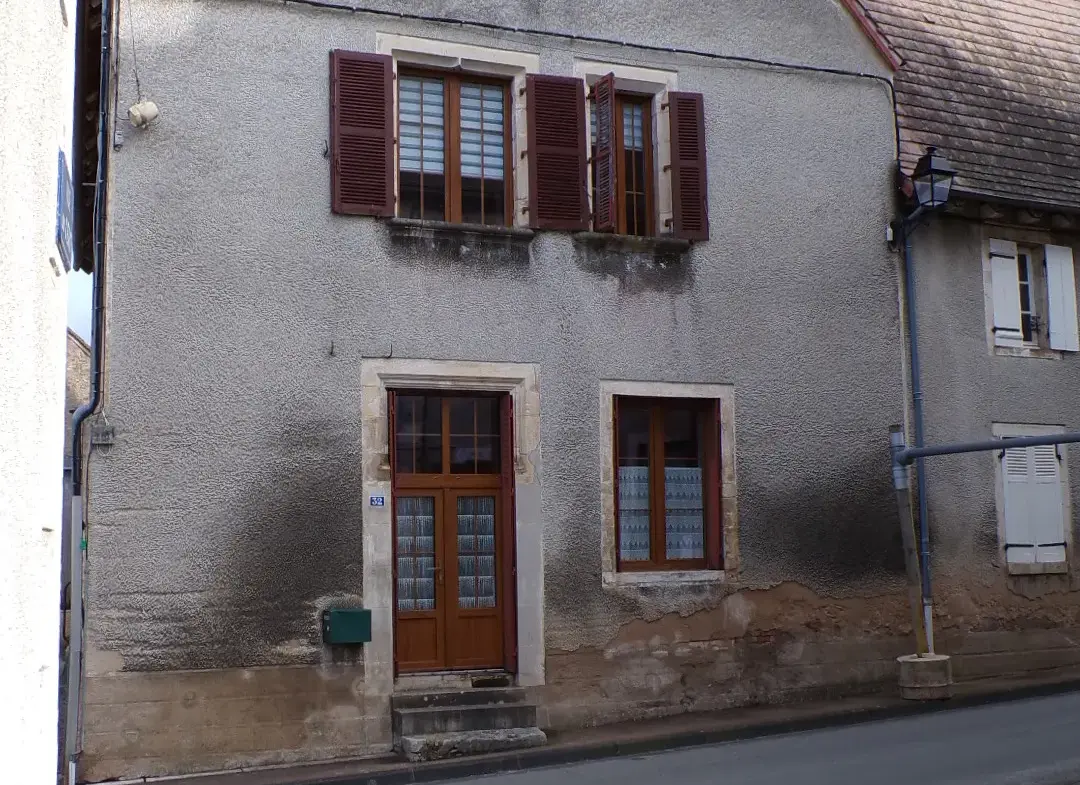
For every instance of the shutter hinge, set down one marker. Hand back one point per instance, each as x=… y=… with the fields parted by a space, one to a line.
x=524 y=152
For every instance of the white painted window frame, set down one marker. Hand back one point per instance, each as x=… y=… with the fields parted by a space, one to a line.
x=470 y=59
x=729 y=515
x=1031 y=240
x=1001 y=430
x=652 y=81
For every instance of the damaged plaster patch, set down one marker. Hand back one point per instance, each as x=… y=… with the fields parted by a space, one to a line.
x=100 y=662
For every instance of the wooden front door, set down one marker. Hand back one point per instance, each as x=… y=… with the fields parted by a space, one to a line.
x=453 y=531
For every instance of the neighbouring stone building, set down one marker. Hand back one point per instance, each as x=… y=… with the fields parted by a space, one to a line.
x=36 y=89
x=564 y=343
x=990 y=85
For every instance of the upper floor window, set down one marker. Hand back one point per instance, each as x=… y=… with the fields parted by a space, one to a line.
x=632 y=165
x=1034 y=296
x=439 y=145
x=453 y=149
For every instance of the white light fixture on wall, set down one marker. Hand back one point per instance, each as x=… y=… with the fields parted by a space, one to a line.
x=143 y=113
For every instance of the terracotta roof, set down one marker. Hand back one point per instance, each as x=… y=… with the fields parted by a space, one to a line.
x=995 y=85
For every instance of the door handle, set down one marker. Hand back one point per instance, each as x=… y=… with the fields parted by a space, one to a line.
x=439 y=576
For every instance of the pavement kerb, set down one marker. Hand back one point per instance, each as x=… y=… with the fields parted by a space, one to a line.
x=563 y=753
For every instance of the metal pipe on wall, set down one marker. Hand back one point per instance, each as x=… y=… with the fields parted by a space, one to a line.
x=97 y=338
x=906 y=227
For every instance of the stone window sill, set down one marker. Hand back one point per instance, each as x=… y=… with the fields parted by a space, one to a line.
x=1036 y=352
x=1043 y=568
x=413 y=228
x=673 y=578
x=664 y=245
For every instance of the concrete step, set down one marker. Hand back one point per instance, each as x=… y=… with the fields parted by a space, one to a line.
x=453 y=719
x=469 y=697
x=437 y=746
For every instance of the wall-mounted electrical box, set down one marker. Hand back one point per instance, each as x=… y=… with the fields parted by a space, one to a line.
x=346 y=626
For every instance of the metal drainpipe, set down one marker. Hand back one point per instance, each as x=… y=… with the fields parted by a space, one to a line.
x=907 y=225
x=97 y=341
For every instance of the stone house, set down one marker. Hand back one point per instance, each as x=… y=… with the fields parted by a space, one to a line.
x=995 y=295
x=560 y=348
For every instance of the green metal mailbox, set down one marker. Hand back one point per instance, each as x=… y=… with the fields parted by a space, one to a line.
x=346 y=626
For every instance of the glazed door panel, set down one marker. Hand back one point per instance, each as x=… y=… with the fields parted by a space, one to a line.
x=451 y=531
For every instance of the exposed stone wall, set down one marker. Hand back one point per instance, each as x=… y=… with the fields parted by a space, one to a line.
x=178 y=722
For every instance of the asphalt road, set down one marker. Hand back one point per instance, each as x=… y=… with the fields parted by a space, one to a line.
x=1025 y=742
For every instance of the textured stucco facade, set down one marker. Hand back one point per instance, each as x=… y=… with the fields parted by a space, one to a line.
x=36 y=87
x=242 y=314
x=968 y=387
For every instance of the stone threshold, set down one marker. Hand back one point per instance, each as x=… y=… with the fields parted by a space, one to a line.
x=642 y=737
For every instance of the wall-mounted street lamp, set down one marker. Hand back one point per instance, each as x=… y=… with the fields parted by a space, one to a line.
x=933 y=179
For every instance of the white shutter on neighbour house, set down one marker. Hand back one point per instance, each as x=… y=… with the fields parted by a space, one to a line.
x=1034 y=506
x=1006 y=285
x=1061 y=288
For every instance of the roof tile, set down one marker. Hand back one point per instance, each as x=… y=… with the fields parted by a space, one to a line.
x=995 y=85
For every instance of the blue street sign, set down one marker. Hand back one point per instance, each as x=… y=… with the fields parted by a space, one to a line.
x=64 y=209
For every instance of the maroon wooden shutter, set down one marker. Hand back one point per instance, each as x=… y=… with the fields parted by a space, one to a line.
x=689 y=183
x=361 y=133
x=557 y=153
x=604 y=205
x=508 y=587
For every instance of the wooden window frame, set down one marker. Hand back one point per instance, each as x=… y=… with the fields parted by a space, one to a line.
x=452 y=81
x=712 y=493
x=446 y=478
x=645 y=101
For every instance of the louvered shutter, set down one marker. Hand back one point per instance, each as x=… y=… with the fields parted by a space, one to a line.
x=1019 y=537
x=1005 y=281
x=1061 y=291
x=689 y=179
x=557 y=153
x=361 y=133
x=604 y=206
x=1034 y=506
x=1048 y=515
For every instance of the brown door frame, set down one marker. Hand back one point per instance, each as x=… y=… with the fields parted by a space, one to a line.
x=446 y=487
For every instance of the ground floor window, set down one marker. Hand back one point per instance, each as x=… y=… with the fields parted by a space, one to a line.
x=667 y=483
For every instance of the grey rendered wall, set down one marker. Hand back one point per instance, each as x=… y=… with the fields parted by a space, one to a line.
x=966 y=389
x=228 y=512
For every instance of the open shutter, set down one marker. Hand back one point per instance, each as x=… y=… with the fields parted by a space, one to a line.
x=604 y=207
x=557 y=153
x=689 y=180
x=1005 y=281
x=508 y=583
x=1061 y=288
x=1019 y=534
x=361 y=133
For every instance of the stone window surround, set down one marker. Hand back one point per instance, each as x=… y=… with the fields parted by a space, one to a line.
x=521 y=380
x=641 y=80
x=729 y=517
x=1023 y=237
x=1019 y=429
x=481 y=60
